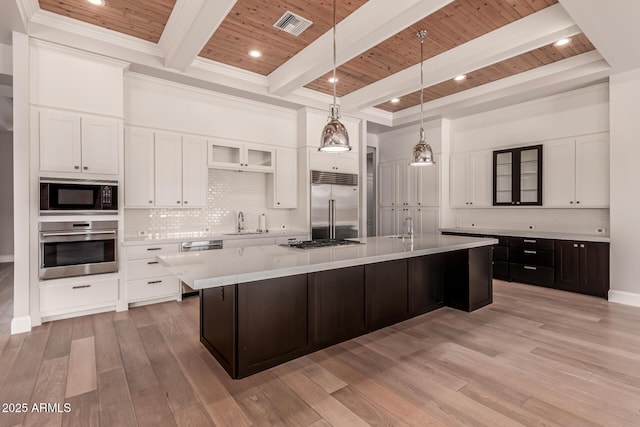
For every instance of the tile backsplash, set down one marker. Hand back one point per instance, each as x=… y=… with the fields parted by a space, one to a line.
x=229 y=192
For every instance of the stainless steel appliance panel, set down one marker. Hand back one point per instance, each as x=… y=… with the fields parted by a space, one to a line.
x=69 y=249
x=334 y=205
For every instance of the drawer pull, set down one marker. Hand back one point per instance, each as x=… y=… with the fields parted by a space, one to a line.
x=530 y=252
x=529 y=241
x=152 y=262
x=80 y=286
x=153 y=282
x=154 y=249
x=528 y=267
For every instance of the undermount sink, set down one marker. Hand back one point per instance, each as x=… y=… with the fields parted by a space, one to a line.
x=240 y=233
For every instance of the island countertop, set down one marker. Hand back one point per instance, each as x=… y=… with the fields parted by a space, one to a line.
x=207 y=269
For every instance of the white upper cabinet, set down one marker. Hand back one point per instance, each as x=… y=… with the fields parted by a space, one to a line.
x=576 y=172
x=71 y=143
x=282 y=190
x=139 y=169
x=235 y=155
x=471 y=179
x=333 y=162
x=165 y=170
x=404 y=185
x=168 y=167
x=194 y=172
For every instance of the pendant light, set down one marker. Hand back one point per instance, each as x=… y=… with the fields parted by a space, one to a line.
x=335 y=138
x=422 y=154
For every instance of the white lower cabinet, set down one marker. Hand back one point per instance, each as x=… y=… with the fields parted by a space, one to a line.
x=147 y=280
x=77 y=295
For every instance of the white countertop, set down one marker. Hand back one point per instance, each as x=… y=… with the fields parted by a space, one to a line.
x=209 y=269
x=531 y=233
x=187 y=236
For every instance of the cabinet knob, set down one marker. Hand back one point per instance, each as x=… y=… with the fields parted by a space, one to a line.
x=150 y=201
x=517 y=203
x=278 y=203
x=571 y=202
x=470 y=203
x=86 y=168
x=582 y=245
x=178 y=202
x=513 y=203
x=575 y=245
x=578 y=202
x=419 y=203
x=76 y=167
x=185 y=202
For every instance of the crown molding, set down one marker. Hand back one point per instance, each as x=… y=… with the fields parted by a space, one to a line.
x=123 y=65
x=83 y=29
x=28 y=9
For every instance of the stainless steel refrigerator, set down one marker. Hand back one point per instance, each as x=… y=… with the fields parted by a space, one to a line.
x=334 y=205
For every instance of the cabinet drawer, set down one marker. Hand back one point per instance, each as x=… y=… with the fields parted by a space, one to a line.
x=537 y=257
x=154 y=287
x=78 y=295
x=531 y=243
x=150 y=251
x=143 y=268
x=501 y=253
x=532 y=274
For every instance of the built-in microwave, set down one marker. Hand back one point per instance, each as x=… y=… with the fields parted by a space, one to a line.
x=78 y=196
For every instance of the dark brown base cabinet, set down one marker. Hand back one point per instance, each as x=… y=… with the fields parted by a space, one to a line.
x=250 y=327
x=583 y=267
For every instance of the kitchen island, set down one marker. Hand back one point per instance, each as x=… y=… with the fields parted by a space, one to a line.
x=262 y=306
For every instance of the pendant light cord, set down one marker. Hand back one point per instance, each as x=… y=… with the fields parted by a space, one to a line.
x=421 y=84
x=334 y=52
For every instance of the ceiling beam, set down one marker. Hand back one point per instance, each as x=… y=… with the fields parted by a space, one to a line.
x=365 y=28
x=561 y=76
x=524 y=35
x=611 y=27
x=189 y=28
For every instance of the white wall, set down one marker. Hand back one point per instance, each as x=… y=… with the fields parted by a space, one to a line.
x=398 y=144
x=6 y=196
x=164 y=105
x=6 y=59
x=625 y=197
x=579 y=112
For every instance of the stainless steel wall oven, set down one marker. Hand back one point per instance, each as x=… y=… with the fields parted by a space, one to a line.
x=79 y=248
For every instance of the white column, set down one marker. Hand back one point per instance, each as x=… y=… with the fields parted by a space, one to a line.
x=21 y=321
x=625 y=196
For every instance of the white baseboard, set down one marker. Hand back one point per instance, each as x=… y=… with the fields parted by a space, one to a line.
x=6 y=258
x=622 y=297
x=20 y=324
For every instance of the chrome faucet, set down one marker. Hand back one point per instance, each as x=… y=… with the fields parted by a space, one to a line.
x=240 y=221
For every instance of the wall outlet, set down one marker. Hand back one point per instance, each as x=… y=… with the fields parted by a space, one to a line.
x=601 y=230
x=532 y=227
x=141 y=233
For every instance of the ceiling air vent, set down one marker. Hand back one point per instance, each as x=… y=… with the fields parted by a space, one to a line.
x=292 y=23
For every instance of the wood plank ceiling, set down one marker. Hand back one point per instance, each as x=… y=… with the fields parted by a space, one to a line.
x=249 y=25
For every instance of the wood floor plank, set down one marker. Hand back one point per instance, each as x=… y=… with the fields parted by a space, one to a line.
x=114 y=400
x=371 y=413
x=140 y=374
x=82 y=376
x=108 y=355
x=84 y=411
x=59 y=343
x=152 y=408
x=82 y=327
x=140 y=316
x=193 y=416
x=49 y=389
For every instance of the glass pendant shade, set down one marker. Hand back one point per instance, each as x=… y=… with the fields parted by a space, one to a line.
x=335 y=138
x=422 y=153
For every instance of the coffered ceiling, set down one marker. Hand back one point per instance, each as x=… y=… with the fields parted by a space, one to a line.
x=504 y=47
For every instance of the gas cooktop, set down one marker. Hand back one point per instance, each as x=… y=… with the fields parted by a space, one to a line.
x=321 y=243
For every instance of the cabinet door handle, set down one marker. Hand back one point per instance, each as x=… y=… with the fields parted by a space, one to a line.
x=76 y=167
x=85 y=167
x=529 y=241
x=152 y=262
x=582 y=245
x=530 y=252
x=80 y=286
x=571 y=202
x=153 y=282
x=528 y=267
x=185 y=202
x=150 y=201
x=154 y=249
x=517 y=203
x=575 y=245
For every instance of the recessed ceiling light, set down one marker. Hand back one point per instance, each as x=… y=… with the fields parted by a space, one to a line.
x=562 y=42
x=395 y=100
x=96 y=2
x=255 y=53
x=333 y=80
x=460 y=77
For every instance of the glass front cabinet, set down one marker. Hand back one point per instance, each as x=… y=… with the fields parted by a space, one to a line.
x=517 y=176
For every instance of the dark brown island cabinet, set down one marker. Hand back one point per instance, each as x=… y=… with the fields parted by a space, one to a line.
x=569 y=265
x=250 y=327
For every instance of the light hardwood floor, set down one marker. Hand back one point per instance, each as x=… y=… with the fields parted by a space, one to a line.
x=535 y=357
